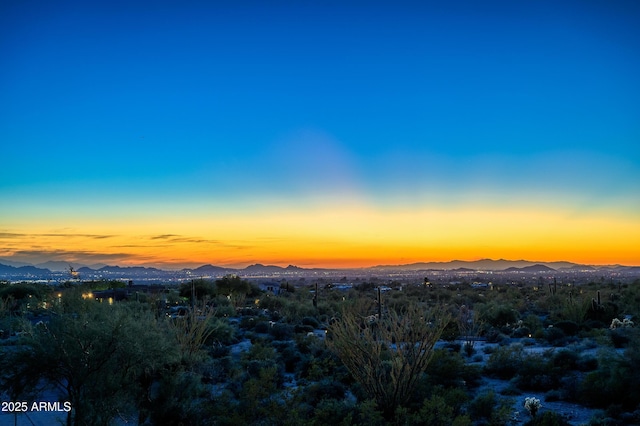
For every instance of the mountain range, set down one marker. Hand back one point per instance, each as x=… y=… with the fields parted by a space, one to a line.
x=47 y=269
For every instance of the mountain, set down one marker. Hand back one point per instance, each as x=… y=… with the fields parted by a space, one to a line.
x=128 y=269
x=210 y=270
x=294 y=268
x=476 y=265
x=59 y=265
x=24 y=271
x=532 y=268
x=259 y=268
x=8 y=262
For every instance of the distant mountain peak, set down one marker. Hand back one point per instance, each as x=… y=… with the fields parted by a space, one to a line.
x=293 y=267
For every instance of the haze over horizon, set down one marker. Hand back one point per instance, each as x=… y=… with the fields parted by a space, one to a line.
x=319 y=134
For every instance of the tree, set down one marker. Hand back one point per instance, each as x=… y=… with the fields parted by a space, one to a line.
x=16 y=296
x=230 y=284
x=199 y=288
x=388 y=355
x=95 y=355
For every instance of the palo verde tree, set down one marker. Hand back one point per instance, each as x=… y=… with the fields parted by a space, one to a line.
x=95 y=356
x=388 y=355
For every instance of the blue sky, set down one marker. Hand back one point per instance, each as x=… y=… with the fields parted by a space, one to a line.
x=398 y=105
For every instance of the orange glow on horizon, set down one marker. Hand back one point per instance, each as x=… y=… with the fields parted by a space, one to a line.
x=344 y=236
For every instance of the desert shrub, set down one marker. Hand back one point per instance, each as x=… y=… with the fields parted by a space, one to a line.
x=222 y=333
x=259 y=357
x=494 y=335
x=324 y=389
x=332 y=412
x=505 y=362
x=630 y=418
x=521 y=332
x=565 y=359
x=290 y=355
x=261 y=327
x=548 y=418
x=450 y=332
x=320 y=364
x=489 y=349
x=570 y=328
x=178 y=400
x=223 y=311
x=487 y=407
x=281 y=331
x=482 y=405
x=619 y=338
x=601 y=419
x=587 y=363
x=570 y=387
x=555 y=336
x=497 y=314
x=249 y=323
x=218 y=350
x=533 y=323
x=535 y=374
x=456 y=398
x=272 y=303
x=614 y=382
x=449 y=369
x=301 y=328
x=592 y=324
x=311 y=321
x=219 y=370
x=259 y=398
x=436 y=412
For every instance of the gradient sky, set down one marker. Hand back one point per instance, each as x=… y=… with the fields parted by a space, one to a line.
x=319 y=133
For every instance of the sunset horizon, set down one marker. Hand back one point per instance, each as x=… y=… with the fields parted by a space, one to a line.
x=319 y=134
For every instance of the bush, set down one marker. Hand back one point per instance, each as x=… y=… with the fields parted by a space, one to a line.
x=570 y=328
x=488 y=407
x=565 y=359
x=587 y=363
x=555 y=336
x=303 y=329
x=619 y=338
x=495 y=336
x=436 y=412
x=535 y=374
x=505 y=362
x=450 y=370
x=311 y=321
x=498 y=315
x=325 y=389
x=291 y=356
x=548 y=418
x=614 y=382
x=281 y=331
x=332 y=412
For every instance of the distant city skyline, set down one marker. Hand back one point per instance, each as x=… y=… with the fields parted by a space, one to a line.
x=320 y=134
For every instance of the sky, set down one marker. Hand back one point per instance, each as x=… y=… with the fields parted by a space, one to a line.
x=319 y=133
